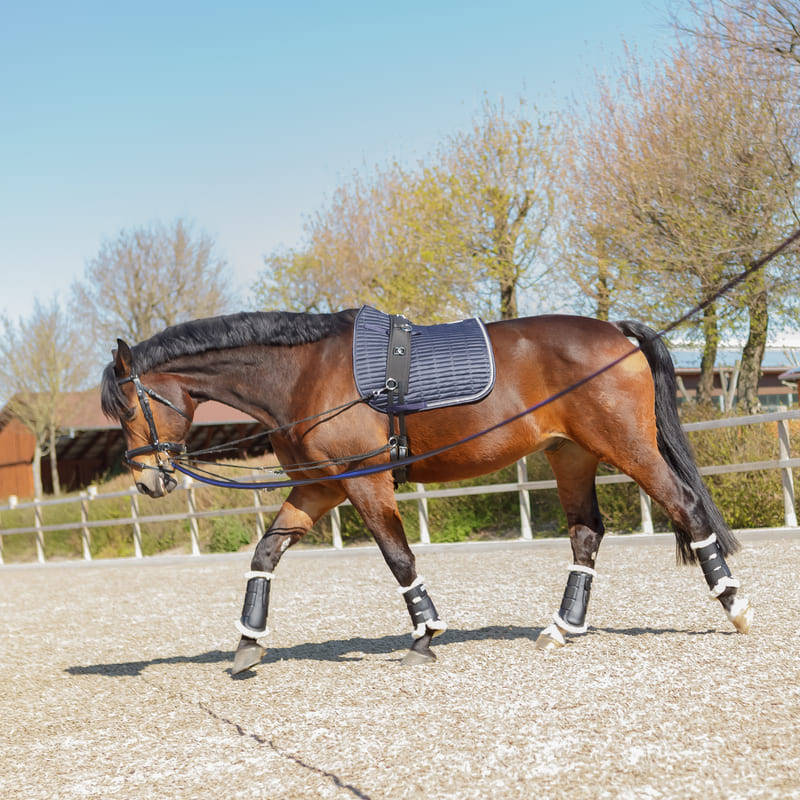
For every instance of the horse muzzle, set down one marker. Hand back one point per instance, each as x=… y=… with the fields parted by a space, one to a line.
x=155 y=482
x=156 y=479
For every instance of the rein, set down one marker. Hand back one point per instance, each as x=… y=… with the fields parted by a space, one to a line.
x=406 y=461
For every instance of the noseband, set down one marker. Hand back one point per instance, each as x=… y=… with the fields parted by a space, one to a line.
x=155 y=446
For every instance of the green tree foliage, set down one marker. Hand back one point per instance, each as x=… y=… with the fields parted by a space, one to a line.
x=460 y=233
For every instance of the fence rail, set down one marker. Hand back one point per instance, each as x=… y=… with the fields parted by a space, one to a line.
x=522 y=487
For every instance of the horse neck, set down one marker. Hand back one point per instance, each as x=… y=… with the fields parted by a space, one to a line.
x=256 y=379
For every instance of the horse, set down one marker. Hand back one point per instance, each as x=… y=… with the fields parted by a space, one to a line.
x=582 y=390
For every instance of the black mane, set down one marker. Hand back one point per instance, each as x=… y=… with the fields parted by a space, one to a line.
x=280 y=328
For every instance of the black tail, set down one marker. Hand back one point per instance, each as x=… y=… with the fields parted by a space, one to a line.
x=672 y=442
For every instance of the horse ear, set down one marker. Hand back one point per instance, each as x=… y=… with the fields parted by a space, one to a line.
x=122 y=359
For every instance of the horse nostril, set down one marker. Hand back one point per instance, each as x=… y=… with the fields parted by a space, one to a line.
x=144 y=489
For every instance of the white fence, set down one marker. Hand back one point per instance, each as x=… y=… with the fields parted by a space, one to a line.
x=522 y=487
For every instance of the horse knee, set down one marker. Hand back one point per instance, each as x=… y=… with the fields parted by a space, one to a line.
x=271 y=547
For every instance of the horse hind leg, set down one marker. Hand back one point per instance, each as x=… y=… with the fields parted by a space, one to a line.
x=721 y=583
x=701 y=534
x=575 y=470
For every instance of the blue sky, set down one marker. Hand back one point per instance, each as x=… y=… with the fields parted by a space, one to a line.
x=244 y=117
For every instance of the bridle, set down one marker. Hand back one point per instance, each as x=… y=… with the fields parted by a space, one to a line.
x=156 y=446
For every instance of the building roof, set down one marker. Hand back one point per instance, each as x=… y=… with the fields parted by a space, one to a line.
x=792 y=374
x=88 y=435
x=81 y=411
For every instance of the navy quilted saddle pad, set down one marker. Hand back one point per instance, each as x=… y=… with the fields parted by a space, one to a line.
x=450 y=364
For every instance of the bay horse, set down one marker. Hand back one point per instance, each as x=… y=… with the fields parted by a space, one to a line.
x=597 y=397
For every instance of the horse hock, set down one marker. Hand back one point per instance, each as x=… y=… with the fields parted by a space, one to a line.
x=253 y=622
x=571 y=615
x=724 y=587
x=426 y=622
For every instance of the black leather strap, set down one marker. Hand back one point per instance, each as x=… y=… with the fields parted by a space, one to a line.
x=398 y=359
x=398 y=366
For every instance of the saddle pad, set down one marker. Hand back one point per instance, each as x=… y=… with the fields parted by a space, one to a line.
x=451 y=364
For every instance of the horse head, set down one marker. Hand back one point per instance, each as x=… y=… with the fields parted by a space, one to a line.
x=155 y=413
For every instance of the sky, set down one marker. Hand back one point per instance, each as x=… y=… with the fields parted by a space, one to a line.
x=243 y=118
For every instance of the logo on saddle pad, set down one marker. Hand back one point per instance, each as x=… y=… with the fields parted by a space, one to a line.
x=445 y=365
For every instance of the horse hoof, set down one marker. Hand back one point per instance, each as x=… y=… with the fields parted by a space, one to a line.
x=551 y=638
x=741 y=615
x=414 y=658
x=248 y=654
x=545 y=642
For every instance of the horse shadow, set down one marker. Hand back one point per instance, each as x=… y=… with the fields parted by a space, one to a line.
x=356 y=648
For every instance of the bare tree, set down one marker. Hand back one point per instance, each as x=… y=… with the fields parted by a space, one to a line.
x=765 y=29
x=682 y=175
x=762 y=37
x=41 y=358
x=149 y=278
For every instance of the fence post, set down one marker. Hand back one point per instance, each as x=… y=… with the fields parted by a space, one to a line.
x=86 y=536
x=789 y=513
x=524 y=500
x=194 y=528
x=336 y=527
x=260 y=529
x=137 y=528
x=37 y=521
x=646 y=504
x=422 y=511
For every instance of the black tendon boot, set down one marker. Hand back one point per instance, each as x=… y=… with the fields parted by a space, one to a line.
x=253 y=623
x=724 y=587
x=421 y=608
x=571 y=615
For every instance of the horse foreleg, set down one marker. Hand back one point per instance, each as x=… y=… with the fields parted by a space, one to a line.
x=374 y=500
x=301 y=509
x=574 y=469
x=426 y=622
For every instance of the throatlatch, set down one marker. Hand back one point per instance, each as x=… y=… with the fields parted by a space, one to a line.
x=256 y=605
x=421 y=608
x=571 y=616
x=716 y=572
